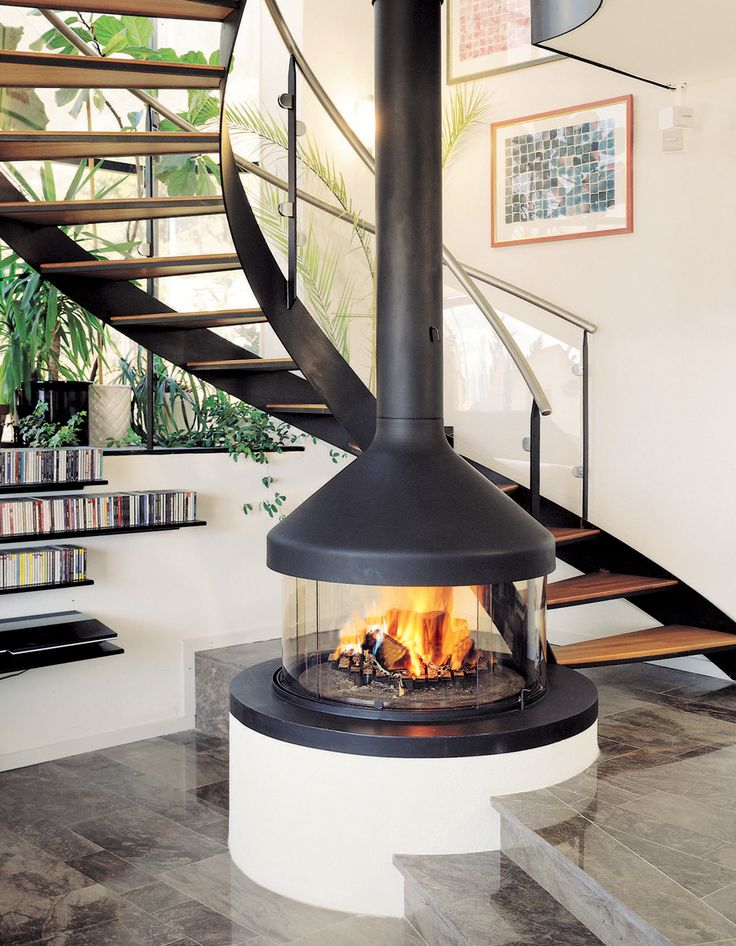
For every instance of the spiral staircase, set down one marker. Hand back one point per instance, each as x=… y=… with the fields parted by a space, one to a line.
x=313 y=387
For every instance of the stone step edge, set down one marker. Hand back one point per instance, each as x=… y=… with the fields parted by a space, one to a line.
x=604 y=914
x=448 y=933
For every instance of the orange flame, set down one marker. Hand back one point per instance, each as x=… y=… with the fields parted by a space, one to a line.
x=416 y=625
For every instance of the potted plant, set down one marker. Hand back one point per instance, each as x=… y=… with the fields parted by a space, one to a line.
x=48 y=344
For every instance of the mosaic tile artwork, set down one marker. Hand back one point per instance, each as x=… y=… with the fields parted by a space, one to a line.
x=492 y=26
x=561 y=172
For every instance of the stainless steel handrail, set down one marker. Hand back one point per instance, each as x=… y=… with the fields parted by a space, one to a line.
x=525 y=296
x=463 y=273
x=317 y=202
x=531 y=380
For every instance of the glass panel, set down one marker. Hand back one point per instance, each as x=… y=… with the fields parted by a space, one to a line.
x=488 y=403
x=416 y=648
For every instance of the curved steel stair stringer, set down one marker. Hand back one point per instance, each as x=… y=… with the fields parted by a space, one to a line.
x=335 y=382
x=38 y=244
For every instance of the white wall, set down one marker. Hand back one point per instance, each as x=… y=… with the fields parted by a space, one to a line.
x=662 y=451
x=167 y=594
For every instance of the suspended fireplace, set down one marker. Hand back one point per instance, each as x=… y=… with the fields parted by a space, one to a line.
x=418 y=586
x=414 y=660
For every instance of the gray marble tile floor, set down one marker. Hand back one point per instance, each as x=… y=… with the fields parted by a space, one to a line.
x=128 y=846
x=651 y=827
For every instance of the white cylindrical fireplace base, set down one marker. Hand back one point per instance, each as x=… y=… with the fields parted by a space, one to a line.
x=322 y=826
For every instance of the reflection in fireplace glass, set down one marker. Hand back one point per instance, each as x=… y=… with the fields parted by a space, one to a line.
x=402 y=648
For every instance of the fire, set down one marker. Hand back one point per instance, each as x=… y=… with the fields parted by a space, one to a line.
x=413 y=631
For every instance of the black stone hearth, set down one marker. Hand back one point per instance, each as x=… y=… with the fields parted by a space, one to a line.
x=569 y=708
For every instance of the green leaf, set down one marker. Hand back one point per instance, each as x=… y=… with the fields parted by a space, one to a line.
x=106 y=27
x=82 y=99
x=115 y=43
x=63 y=97
x=139 y=29
x=203 y=107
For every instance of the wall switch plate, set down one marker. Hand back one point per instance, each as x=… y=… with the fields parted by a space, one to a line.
x=676 y=116
x=673 y=139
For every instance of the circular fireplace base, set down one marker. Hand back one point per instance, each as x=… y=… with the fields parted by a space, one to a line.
x=319 y=804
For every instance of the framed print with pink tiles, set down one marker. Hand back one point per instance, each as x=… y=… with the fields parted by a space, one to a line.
x=489 y=36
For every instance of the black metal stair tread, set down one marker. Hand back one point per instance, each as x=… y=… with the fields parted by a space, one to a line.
x=602 y=586
x=153 y=266
x=654 y=643
x=216 y=319
x=244 y=364
x=59 y=655
x=22 y=69
x=43 y=145
x=66 y=212
x=48 y=631
x=298 y=408
x=166 y=9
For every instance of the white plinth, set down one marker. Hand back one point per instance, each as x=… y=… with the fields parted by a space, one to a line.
x=323 y=827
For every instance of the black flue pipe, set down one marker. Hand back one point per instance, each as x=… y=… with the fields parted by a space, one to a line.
x=409 y=511
x=408 y=96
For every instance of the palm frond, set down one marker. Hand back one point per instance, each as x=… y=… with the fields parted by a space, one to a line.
x=465 y=108
x=249 y=119
x=318 y=268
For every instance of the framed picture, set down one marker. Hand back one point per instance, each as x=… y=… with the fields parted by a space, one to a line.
x=563 y=175
x=489 y=36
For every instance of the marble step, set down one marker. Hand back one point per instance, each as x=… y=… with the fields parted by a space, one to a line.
x=483 y=900
x=599 y=847
x=214 y=670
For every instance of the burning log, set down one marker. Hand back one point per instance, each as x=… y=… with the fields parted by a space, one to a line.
x=461 y=653
x=392 y=655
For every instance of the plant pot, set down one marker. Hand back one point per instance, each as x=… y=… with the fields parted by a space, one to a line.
x=109 y=413
x=64 y=399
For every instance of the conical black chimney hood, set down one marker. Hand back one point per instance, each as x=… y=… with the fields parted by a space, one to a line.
x=409 y=511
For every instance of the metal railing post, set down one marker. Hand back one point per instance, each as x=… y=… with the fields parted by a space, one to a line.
x=287 y=209
x=586 y=427
x=535 y=460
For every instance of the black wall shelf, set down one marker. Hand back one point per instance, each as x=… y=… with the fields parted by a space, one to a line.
x=81 y=533
x=65 y=485
x=61 y=655
x=49 y=586
x=44 y=640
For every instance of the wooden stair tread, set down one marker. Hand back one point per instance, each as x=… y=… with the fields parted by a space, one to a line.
x=147 y=267
x=66 y=212
x=244 y=364
x=214 y=319
x=43 y=145
x=167 y=9
x=22 y=69
x=602 y=586
x=298 y=408
x=564 y=536
x=652 y=643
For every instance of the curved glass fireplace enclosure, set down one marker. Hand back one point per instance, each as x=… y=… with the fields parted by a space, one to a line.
x=477 y=648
